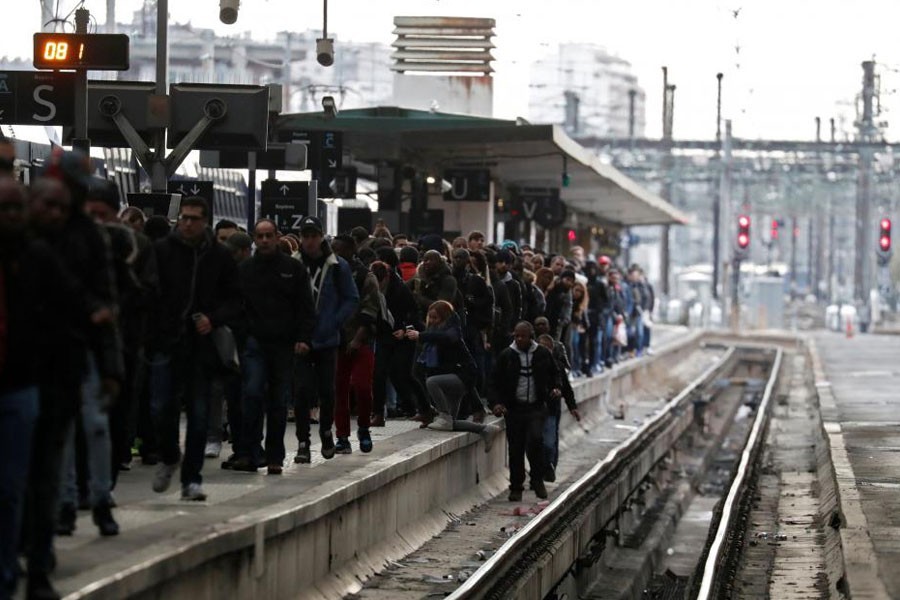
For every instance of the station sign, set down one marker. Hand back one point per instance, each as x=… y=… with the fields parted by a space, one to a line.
x=35 y=98
x=468 y=185
x=541 y=205
x=285 y=202
x=200 y=189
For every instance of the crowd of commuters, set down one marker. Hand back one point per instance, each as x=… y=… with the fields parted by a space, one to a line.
x=112 y=324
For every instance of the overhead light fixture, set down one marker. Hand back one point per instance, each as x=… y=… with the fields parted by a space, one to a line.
x=430 y=180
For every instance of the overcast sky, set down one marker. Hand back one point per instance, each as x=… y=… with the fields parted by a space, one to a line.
x=797 y=58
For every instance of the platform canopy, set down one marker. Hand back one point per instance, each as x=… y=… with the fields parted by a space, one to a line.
x=518 y=154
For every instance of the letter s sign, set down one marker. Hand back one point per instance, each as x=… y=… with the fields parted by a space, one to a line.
x=48 y=104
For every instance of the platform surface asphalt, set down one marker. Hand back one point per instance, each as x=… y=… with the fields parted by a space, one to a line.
x=859 y=390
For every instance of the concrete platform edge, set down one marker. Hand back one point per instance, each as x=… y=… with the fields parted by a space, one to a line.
x=858 y=553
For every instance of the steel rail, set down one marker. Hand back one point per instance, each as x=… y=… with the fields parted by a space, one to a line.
x=517 y=546
x=729 y=510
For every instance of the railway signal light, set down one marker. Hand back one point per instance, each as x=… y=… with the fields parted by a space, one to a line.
x=743 y=236
x=884 y=238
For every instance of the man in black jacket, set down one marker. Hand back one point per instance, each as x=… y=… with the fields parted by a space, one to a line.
x=524 y=379
x=280 y=316
x=194 y=282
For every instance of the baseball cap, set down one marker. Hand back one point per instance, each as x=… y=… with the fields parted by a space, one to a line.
x=311 y=224
x=603 y=260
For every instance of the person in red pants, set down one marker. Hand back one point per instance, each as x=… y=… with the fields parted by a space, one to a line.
x=356 y=354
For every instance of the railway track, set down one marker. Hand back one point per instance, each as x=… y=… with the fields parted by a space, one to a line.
x=568 y=539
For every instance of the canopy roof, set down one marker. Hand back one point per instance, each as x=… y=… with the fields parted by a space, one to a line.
x=518 y=154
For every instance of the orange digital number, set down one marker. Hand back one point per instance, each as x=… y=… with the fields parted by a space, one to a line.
x=57 y=50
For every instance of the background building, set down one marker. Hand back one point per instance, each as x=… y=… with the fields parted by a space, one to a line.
x=587 y=90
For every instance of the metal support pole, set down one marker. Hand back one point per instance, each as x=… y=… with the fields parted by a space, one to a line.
x=717 y=198
x=793 y=279
x=865 y=249
x=81 y=141
x=251 y=190
x=158 y=177
x=631 y=97
x=668 y=97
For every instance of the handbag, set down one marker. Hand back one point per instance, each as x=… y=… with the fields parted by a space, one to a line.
x=226 y=348
x=620 y=334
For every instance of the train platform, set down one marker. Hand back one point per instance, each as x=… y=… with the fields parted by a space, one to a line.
x=858 y=384
x=318 y=528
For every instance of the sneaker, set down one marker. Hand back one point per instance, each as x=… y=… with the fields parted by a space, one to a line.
x=193 y=492
x=103 y=519
x=515 y=495
x=365 y=440
x=213 y=449
x=342 y=446
x=244 y=464
x=328 y=446
x=488 y=434
x=65 y=524
x=163 y=478
x=302 y=456
x=441 y=423
x=274 y=469
x=539 y=489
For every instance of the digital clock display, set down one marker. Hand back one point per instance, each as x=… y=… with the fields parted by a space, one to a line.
x=93 y=51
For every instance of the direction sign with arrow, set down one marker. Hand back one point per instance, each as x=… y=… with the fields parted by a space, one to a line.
x=285 y=202
x=201 y=189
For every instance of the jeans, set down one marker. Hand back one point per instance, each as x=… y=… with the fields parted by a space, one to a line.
x=267 y=387
x=576 y=353
x=57 y=411
x=525 y=436
x=447 y=392
x=188 y=369
x=18 y=414
x=354 y=370
x=95 y=424
x=551 y=440
x=645 y=343
x=315 y=375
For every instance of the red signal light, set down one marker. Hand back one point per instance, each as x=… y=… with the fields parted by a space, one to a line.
x=572 y=235
x=884 y=238
x=743 y=235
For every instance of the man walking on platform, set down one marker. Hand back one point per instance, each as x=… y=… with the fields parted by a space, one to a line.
x=280 y=318
x=336 y=298
x=195 y=290
x=524 y=377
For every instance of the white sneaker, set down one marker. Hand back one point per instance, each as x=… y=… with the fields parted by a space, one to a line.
x=442 y=422
x=487 y=434
x=163 y=478
x=193 y=492
x=213 y=449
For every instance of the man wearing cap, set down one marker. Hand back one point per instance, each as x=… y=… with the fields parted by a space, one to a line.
x=336 y=299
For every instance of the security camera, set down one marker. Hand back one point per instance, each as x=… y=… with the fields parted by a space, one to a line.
x=109 y=106
x=228 y=10
x=325 y=51
x=329 y=106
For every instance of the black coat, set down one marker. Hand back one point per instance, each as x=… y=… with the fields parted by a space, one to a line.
x=186 y=279
x=42 y=301
x=506 y=377
x=277 y=299
x=402 y=306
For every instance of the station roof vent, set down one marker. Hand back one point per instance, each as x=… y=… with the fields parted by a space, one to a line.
x=443 y=45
